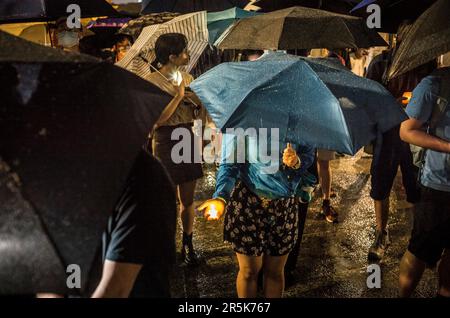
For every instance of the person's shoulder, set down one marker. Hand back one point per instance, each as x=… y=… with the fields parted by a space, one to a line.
x=430 y=83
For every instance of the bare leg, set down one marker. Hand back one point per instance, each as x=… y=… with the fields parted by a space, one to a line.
x=187 y=212
x=325 y=178
x=274 y=275
x=247 y=278
x=411 y=270
x=381 y=213
x=444 y=274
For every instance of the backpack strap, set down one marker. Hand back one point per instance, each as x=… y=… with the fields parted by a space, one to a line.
x=441 y=105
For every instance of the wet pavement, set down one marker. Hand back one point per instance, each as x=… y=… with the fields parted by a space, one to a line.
x=333 y=257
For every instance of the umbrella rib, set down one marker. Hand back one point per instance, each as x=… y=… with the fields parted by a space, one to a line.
x=349 y=32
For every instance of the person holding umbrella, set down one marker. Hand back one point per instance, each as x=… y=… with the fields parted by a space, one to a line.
x=171 y=53
x=261 y=220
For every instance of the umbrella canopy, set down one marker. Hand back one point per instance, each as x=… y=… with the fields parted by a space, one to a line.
x=338 y=6
x=132 y=9
x=187 y=6
x=312 y=102
x=393 y=12
x=299 y=28
x=192 y=25
x=135 y=26
x=49 y=10
x=37 y=33
x=363 y=4
x=218 y=22
x=70 y=129
x=428 y=38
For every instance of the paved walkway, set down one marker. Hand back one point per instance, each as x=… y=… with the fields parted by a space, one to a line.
x=333 y=257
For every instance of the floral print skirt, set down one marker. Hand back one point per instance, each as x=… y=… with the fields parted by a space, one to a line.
x=255 y=226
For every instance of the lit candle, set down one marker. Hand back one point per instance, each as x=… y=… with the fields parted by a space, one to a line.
x=406 y=97
x=176 y=78
x=213 y=213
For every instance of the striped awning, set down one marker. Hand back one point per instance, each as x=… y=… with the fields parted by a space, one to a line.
x=192 y=25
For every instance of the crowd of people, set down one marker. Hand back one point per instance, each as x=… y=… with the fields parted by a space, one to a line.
x=264 y=214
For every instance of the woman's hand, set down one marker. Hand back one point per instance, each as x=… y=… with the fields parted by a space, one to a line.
x=192 y=97
x=213 y=208
x=290 y=157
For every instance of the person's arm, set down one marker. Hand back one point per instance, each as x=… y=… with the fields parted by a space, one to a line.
x=117 y=280
x=225 y=180
x=411 y=132
x=229 y=169
x=192 y=96
x=172 y=106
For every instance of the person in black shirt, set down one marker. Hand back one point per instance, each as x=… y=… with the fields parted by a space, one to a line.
x=139 y=242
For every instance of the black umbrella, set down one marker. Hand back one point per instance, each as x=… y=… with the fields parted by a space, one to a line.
x=299 y=28
x=134 y=27
x=394 y=12
x=186 y=6
x=428 y=38
x=70 y=129
x=49 y=10
x=338 y=6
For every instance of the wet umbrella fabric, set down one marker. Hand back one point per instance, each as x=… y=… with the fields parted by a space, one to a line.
x=218 y=22
x=338 y=6
x=311 y=101
x=299 y=28
x=70 y=129
x=135 y=26
x=49 y=10
x=428 y=38
x=187 y=6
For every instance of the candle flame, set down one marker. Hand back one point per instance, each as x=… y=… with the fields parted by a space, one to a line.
x=213 y=213
x=406 y=97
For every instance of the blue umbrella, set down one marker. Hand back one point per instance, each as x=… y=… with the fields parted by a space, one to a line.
x=218 y=22
x=314 y=102
x=363 y=4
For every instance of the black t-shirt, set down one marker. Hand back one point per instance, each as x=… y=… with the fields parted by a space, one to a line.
x=141 y=229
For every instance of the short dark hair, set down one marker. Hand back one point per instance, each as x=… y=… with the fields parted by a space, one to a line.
x=169 y=44
x=120 y=37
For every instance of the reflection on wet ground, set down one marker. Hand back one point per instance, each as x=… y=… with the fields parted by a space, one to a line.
x=333 y=257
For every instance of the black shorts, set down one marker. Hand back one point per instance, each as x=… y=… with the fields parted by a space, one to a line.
x=431 y=231
x=254 y=228
x=390 y=153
